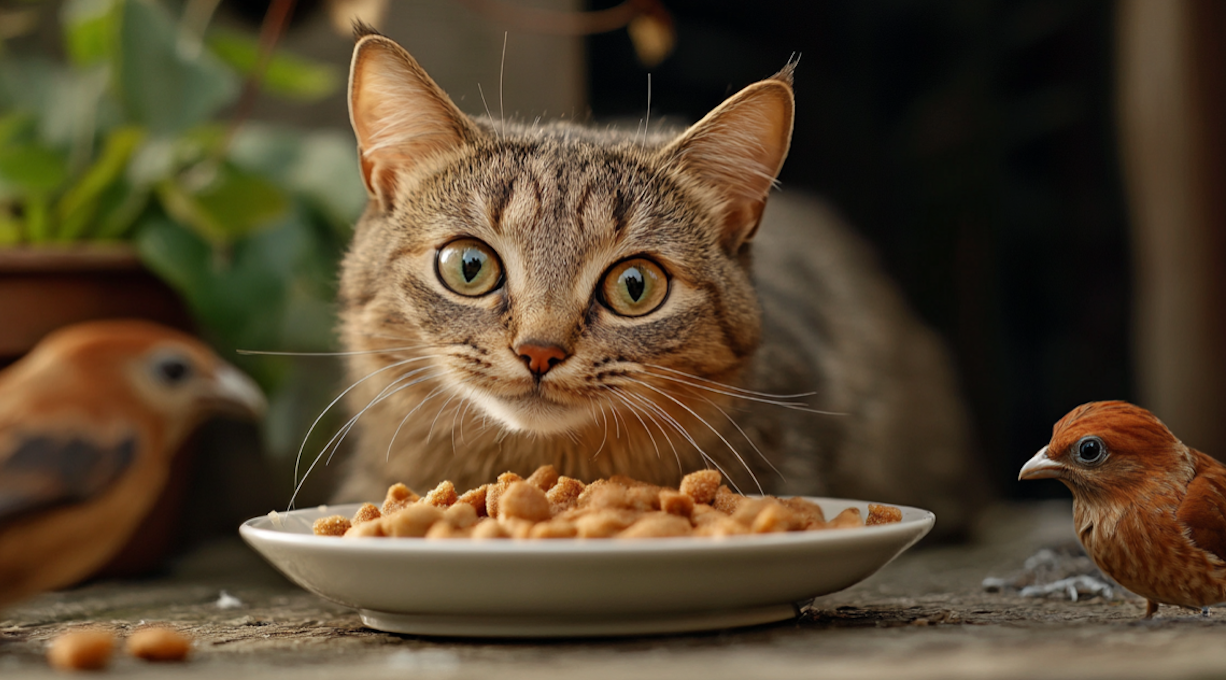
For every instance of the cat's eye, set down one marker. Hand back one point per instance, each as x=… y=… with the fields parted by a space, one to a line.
x=634 y=287
x=468 y=267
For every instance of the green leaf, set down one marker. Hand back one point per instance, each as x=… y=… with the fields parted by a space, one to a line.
x=319 y=166
x=223 y=202
x=79 y=204
x=237 y=292
x=30 y=169
x=286 y=75
x=118 y=208
x=161 y=87
x=89 y=30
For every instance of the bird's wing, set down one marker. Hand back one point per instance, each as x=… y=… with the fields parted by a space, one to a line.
x=38 y=471
x=1203 y=510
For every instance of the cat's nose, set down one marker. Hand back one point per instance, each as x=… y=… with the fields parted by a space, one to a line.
x=540 y=356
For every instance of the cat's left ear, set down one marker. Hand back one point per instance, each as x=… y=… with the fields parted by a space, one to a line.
x=738 y=149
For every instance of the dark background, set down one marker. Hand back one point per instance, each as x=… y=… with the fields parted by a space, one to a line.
x=973 y=144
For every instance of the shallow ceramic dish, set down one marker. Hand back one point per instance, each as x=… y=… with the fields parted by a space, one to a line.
x=576 y=587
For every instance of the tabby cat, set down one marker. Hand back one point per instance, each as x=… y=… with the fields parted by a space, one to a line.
x=603 y=301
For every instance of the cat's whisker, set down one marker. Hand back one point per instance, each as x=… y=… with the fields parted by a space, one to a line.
x=390 y=350
x=733 y=388
x=793 y=406
x=339 y=437
x=344 y=429
x=502 y=112
x=743 y=434
x=635 y=412
x=663 y=432
x=604 y=417
x=430 y=432
x=405 y=419
x=463 y=416
x=672 y=422
x=455 y=415
x=710 y=427
x=368 y=376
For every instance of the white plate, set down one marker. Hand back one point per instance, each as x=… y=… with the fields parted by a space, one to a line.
x=578 y=587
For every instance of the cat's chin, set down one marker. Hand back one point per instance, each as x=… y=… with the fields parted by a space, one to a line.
x=533 y=415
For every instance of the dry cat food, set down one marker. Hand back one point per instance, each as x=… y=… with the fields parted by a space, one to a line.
x=158 y=644
x=547 y=505
x=81 y=650
x=91 y=650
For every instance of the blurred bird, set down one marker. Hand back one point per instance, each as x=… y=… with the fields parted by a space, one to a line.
x=1150 y=511
x=89 y=422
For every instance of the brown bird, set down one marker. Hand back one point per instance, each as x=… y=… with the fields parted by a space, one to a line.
x=89 y=422
x=1149 y=511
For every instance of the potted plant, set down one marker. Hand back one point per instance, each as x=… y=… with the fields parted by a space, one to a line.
x=131 y=186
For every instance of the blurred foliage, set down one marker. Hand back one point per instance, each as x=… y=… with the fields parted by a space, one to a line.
x=124 y=140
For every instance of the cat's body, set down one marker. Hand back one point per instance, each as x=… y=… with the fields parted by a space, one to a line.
x=585 y=299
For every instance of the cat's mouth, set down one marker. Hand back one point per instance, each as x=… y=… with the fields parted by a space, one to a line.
x=534 y=412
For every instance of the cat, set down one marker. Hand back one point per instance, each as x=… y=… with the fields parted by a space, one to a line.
x=603 y=301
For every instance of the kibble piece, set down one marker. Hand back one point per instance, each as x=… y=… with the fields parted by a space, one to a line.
x=701 y=485
x=367 y=512
x=489 y=528
x=447 y=530
x=846 y=519
x=460 y=516
x=554 y=528
x=726 y=500
x=476 y=498
x=721 y=525
x=564 y=495
x=524 y=501
x=495 y=491
x=82 y=650
x=412 y=522
x=544 y=477
x=808 y=511
x=442 y=496
x=643 y=498
x=657 y=525
x=613 y=494
x=775 y=518
x=336 y=525
x=603 y=495
x=398 y=497
x=517 y=527
x=158 y=644
x=604 y=523
x=705 y=514
x=366 y=530
x=882 y=514
x=675 y=502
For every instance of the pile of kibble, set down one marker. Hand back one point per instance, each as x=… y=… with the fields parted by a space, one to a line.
x=547 y=505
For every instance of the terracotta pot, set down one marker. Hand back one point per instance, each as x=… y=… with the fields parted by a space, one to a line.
x=42 y=289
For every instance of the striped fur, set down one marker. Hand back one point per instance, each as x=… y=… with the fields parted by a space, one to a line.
x=655 y=396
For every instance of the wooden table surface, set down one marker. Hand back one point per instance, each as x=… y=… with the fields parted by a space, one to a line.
x=924 y=616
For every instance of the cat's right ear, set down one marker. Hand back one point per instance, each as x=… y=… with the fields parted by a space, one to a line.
x=401 y=117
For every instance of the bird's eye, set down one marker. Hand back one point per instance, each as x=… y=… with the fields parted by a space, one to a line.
x=634 y=287
x=172 y=369
x=1090 y=451
x=468 y=267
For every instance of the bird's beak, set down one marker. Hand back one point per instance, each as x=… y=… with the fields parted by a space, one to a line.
x=233 y=393
x=1040 y=467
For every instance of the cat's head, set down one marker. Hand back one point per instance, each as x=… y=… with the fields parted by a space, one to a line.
x=549 y=271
